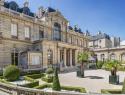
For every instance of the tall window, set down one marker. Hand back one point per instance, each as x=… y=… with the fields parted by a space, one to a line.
x=14 y=29
x=27 y=32
x=57 y=32
x=50 y=57
x=35 y=60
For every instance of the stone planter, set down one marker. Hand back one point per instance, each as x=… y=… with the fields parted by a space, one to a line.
x=114 y=79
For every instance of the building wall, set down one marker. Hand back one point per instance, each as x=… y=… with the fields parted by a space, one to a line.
x=118 y=52
x=70 y=40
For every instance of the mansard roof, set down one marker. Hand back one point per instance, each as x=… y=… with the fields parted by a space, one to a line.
x=100 y=36
x=14 y=6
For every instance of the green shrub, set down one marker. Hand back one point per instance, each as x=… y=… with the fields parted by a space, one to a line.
x=123 y=88
x=31 y=84
x=11 y=73
x=99 y=64
x=56 y=83
x=49 y=71
x=111 y=63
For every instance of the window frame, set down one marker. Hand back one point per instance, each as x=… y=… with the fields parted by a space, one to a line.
x=14 y=33
x=29 y=36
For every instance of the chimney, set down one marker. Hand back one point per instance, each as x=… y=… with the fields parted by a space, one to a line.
x=2 y=2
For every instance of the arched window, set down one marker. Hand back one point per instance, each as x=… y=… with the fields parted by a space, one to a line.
x=57 y=32
x=13 y=5
x=112 y=56
x=123 y=57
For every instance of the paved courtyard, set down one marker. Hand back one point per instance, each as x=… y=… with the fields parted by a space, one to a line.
x=94 y=80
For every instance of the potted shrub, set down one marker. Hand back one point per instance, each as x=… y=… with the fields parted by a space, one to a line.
x=82 y=59
x=113 y=78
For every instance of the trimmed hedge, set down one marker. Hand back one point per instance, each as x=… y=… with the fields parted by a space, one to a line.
x=11 y=73
x=28 y=79
x=69 y=88
x=32 y=84
x=35 y=76
x=123 y=88
x=47 y=79
x=43 y=86
x=111 y=91
x=31 y=72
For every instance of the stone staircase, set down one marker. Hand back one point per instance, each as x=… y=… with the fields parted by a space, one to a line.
x=68 y=69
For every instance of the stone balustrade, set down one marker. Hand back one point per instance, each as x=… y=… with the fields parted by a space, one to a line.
x=17 y=90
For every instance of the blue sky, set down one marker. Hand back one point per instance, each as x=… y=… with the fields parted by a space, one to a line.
x=94 y=15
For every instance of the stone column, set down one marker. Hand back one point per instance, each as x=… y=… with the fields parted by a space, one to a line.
x=71 y=57
x=76 y=55
x=65 y=57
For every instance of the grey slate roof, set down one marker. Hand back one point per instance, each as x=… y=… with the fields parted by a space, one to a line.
x=99 y=36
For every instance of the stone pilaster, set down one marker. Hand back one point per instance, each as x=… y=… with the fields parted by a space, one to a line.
x=58 y=55
x=76 y=55
x=65 y=57
x=70 y=57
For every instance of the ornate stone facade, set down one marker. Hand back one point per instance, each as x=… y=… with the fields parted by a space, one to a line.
x=37 y=41
x=117 y=53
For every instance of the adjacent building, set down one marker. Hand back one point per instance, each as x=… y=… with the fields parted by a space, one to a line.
x=101 y=40
x=37 y=40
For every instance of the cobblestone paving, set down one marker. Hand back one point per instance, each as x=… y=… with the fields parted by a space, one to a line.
x=94 y=80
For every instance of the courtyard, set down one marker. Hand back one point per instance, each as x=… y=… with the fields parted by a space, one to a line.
x=94 y=80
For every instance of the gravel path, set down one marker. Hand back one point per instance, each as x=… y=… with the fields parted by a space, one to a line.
x=94 y=80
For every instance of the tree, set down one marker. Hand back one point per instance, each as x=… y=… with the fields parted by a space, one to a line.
x=82 y=58
x=56 y=83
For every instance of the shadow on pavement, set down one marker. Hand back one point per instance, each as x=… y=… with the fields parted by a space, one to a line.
x=94 y=77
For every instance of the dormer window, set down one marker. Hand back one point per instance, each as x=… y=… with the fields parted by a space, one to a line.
x=13 y=6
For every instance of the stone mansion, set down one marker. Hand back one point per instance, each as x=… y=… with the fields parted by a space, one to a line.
x=37 y=40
